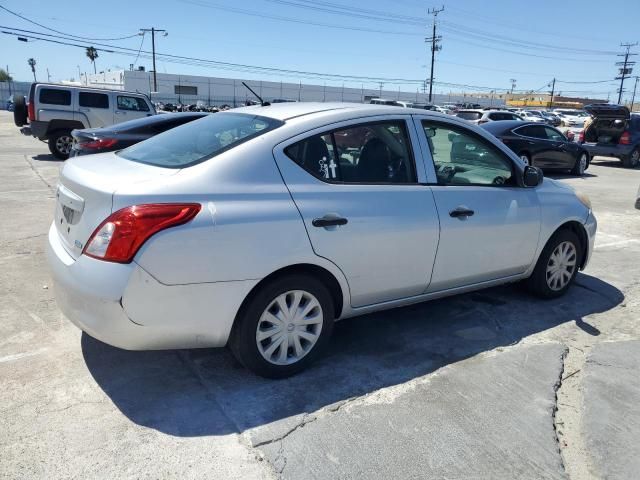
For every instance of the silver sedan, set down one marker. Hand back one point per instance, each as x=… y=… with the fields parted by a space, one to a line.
x=262 y=226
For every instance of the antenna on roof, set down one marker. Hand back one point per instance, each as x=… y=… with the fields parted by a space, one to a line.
x=262 y=102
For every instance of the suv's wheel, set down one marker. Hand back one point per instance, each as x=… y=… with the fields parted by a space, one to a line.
x=284 y=326
x=19 y=111
x=581 y=165
x=557 y=266
x=60 y=144
x=633 y=160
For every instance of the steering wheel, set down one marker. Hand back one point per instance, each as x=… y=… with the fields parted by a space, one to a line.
x=499 y=180
x=447 y=172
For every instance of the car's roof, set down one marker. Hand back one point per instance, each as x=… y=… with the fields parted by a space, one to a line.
x=287 y=111
x=472 y=110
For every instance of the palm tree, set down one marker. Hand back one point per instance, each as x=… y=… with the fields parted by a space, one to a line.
x=92 y=53
x=32 y=64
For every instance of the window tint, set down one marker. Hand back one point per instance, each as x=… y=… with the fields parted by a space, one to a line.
x=53 y=96
x=462 y=158
x=469 y=115
x=93 y=100
x=535 y=131
x=132 y=103
x=196 y=142
x=369 y=153
x=553 y=134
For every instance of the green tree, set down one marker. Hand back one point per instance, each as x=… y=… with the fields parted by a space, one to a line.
x=32 y=64
x=92 y=53
x=4 y=76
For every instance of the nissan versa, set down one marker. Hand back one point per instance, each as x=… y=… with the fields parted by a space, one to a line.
x=259 y=227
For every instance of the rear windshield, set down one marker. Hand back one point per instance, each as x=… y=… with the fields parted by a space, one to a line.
x=469 y=115
x=200 y=140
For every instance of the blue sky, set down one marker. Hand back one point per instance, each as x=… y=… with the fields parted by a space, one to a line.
x=485 y=43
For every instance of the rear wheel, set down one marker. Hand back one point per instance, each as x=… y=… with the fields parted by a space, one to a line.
x=557 y=265
x=60 y=144
x=633 y=160
x=581 y=165
x=284 y=326
x=525 y=158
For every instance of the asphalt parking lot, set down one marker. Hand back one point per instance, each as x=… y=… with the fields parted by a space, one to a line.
x=489 y=385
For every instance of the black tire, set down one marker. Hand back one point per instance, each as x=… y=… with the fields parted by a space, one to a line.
x=633 y=160
x=60 y=143
x=243 y=343
x=537 y=283
x=579 y=168
x=20 y=111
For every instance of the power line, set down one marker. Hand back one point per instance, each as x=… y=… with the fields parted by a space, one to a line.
x=63 y=33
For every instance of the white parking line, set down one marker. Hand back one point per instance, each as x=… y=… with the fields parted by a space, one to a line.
x=617 y=244
x=18 y=356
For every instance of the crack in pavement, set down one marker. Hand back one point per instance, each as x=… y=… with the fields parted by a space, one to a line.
x=557 y=387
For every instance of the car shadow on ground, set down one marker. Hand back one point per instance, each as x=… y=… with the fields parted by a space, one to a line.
x=556 y=175
x=42 y=157
x=205 y=392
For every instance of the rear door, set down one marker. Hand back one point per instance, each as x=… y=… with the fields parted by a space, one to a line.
x=129 y=107
x=364 y=204
x=96 y=108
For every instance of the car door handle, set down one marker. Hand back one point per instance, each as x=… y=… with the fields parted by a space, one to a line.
x=84 y=109
x=119 y=113
x=327 y=221
x=461 y=212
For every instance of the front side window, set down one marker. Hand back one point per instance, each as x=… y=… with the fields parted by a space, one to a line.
x=368 y=153
x=462 y=158
x=54 y=96
x=132 y=103
x=93 y=100
x=196 y=142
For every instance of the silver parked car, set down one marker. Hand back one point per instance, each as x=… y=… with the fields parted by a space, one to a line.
x=260 y=227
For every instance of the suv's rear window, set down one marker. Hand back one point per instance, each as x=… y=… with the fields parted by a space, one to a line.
x=54 y=96
x=200 y=140
x=469 y=115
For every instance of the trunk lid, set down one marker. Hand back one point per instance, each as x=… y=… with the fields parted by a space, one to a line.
x=84 y=196
x=604 y=110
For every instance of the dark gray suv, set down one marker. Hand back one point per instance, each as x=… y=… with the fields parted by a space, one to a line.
x=614 y=132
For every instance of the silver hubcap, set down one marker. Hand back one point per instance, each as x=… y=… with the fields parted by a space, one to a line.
x=561 y=266
x=583 y=163
x=525 y=159
x=63 y=144
x=289 y=327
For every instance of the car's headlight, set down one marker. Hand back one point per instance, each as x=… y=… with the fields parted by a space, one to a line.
x=584 y=199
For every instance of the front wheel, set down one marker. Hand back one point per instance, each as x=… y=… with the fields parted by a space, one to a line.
x=557 y=265
x=633 y=160
x=581 y=165
x=283 y=327
x=60 y=144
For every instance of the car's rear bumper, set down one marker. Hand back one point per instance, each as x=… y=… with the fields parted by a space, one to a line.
x=603 y=150
x=124 y=306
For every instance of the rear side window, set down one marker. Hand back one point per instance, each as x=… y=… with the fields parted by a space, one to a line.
x=54 y=96
x=93 y=100
x=368 y=153
x=196 y=142
x=469 y=115
x=535 y=131
x=132 y=103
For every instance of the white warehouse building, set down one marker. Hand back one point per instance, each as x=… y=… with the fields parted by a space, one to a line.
x=189 y=89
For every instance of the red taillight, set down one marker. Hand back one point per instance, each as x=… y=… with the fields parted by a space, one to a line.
x=98 y=143
x=121 y=235
x=31 y=111
x=625 y=139
x=581 y=136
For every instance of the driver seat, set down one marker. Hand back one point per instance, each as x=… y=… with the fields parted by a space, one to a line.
x=374 y=162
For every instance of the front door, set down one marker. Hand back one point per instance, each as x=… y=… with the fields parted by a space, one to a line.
x=362 y=202
x=489 y=224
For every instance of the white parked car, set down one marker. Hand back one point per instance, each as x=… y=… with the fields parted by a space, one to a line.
x=478 y=117
x=572 y=118
x=260 y=227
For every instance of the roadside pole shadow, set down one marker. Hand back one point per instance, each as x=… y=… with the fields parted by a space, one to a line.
x=205 y=391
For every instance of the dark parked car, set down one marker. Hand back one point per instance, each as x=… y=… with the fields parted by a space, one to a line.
x=125 y=134
x=614 y=132
x=541 y=145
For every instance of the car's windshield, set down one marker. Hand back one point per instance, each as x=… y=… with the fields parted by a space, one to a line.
x=200 y=140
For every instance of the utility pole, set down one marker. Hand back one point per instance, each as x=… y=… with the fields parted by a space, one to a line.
x=48 y=76
x=153 y=50
x=9 y=80
x=553 y=89
x=380 y=94
x=633 y=97
x=435 y=46
x=513 y=84
x=626 y=65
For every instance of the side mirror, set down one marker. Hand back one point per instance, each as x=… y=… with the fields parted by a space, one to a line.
x=532 y=176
